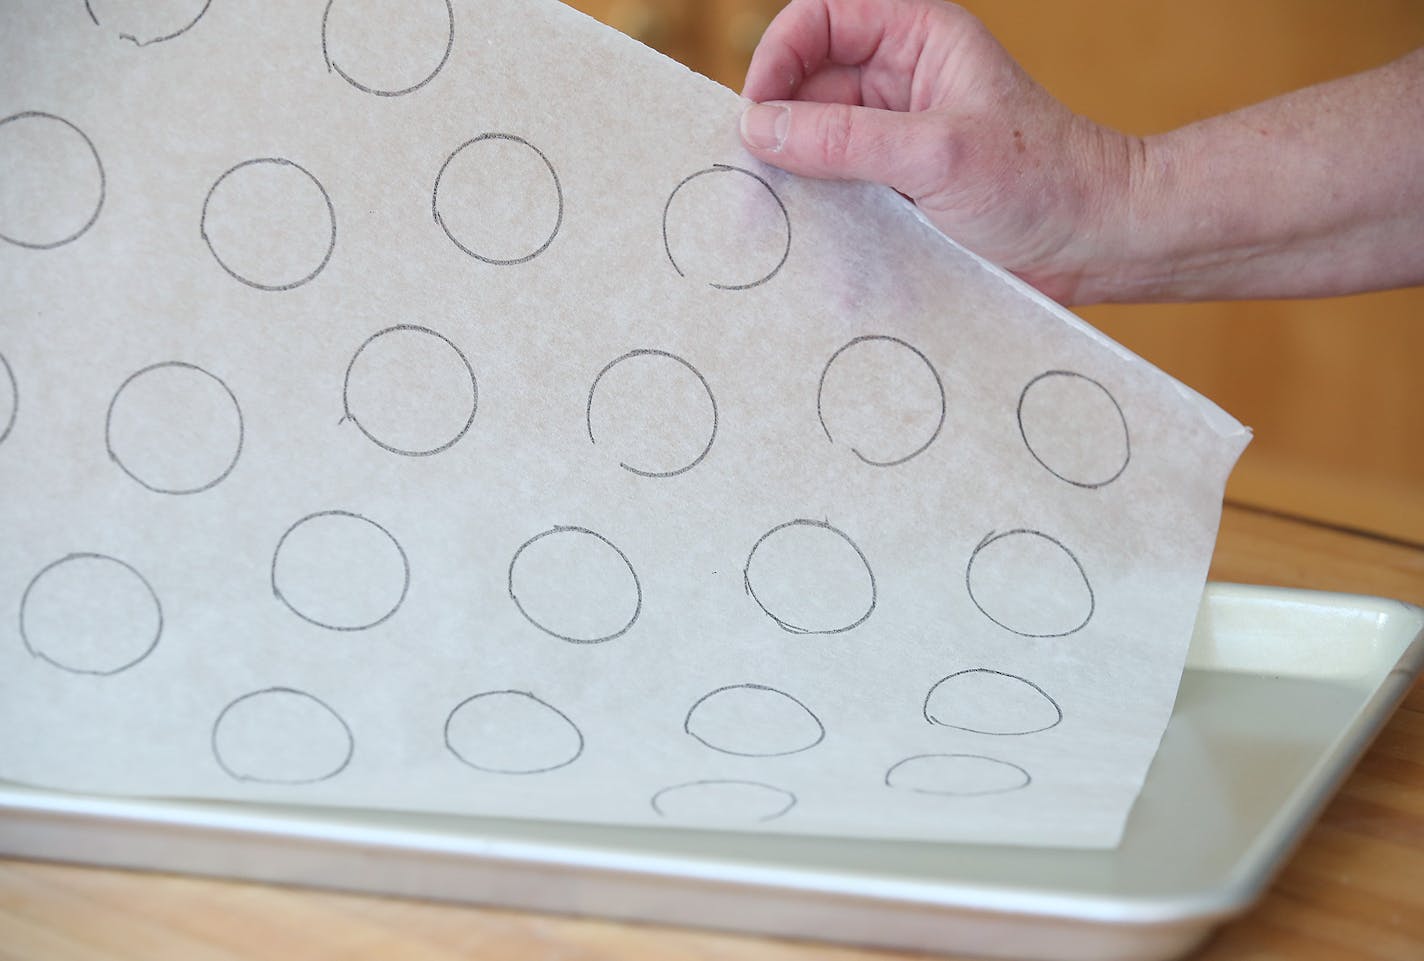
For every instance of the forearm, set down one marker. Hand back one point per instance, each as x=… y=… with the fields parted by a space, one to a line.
x=1315 y=193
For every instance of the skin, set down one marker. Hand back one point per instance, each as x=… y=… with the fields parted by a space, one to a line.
x=1315 y=193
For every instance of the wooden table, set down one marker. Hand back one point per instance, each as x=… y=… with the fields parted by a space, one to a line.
x=1354 y=890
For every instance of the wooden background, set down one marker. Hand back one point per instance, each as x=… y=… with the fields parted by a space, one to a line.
x=1333 y=388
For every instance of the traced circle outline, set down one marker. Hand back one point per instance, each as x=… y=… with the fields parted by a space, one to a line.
x=791 y=798
x=637 y=585
x=405 y=564
x=282 y=162
x=787 y=626
x=153 y=595
x=143 y=43
x=346 y=387
x=103 y=183
x=109 y=422
x=578 y=753
x=649 y=352
x=14 y=399
x=1126 y=433
x=728 y=168
x=558 y=190
x=974 y=730
x=217 y=755
x=1028 y=778
x=990 y=538
x=687 y=722
x=332 y=65
x=939 y=384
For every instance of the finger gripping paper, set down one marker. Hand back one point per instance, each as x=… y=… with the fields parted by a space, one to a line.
x=428 y=405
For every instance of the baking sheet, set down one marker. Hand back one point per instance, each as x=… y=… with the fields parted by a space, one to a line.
x=429 y=406
x=1284 y=690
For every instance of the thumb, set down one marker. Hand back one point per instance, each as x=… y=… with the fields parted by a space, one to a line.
x=836 y=141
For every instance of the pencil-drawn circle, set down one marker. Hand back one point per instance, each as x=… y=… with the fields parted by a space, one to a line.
x=1074 y=427
x=410 y=390
x=983 y=701
x=340 y=571
x=884 y=398
x=280 y=735
x=956 y=775
x=360 y=35
x=143 y=22
x=498 y=198
x=175 y=428
x=810 y=578
x=54 y=182
x=753 y=720
x=269 y=223
x=1030 y=584
x=576 y=585
x=730 y=232
x=721 y=802
x=9 y=399
x=655 y=413
x=90 y=614
x=512 y=732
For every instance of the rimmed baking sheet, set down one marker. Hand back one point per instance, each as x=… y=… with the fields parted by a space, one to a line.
x=1283 y=691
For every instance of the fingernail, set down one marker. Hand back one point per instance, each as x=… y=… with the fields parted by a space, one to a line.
x=764 y=125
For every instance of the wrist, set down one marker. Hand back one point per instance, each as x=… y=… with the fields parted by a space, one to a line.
x=1103 y=184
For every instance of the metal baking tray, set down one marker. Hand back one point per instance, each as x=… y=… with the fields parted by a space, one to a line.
x=1283 y=692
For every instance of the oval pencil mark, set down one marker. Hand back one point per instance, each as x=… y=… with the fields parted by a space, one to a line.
x=875 y=390
x=9 y=399
x=509 y=169
x=575 y=584
x=753 y=720
x=1030 y=584
x=957 y=775
x=649 y=410
x=410 y=391
x=722 y=802
x=146 y=23
x=387 y=76
x=810 y=578
x=983 y=701
x=54 y=184
x=174 y=428
x=280 y=735
x=90 y=614
x=718 y=228
x=512 y=732
x=247 y=224
x=340 y=571
x=1075 y=428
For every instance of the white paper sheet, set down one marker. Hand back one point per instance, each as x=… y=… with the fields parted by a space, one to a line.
x=432 y=407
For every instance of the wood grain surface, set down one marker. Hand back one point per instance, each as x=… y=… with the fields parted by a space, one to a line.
x=1355 y=889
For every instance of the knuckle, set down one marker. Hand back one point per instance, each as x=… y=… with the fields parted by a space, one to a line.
x=835 y=136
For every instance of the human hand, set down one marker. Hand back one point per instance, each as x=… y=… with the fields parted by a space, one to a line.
x=917 y=95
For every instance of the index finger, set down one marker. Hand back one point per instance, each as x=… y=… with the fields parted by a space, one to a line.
x=808 y=35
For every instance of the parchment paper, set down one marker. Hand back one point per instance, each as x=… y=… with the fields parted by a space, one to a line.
x=432 y=407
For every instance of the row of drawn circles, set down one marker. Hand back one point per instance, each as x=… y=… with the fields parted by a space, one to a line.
x=271 y=224
x=341 y=571
x=414 y=44
x=281 y=735
x=177 y=428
